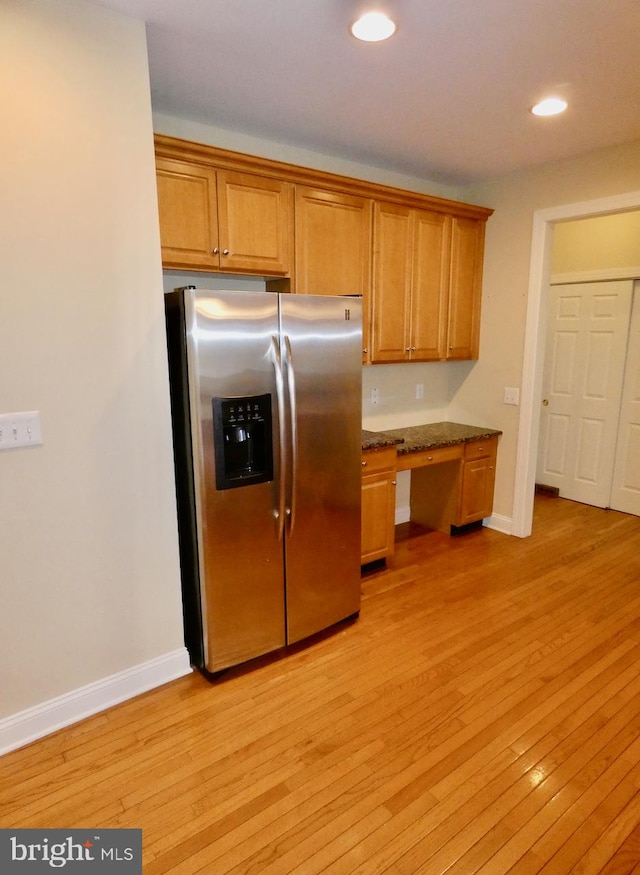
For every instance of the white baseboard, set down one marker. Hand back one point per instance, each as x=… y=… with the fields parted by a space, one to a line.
x=34 y=723
x=500 y=523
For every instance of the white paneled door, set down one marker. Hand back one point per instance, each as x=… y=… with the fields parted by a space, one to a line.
x=625 y=490
x=587 y=333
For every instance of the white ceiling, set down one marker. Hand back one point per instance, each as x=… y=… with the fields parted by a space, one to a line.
x=447 y=98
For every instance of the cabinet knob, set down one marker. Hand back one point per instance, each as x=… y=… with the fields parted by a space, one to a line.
x=394 y=482
x=364 y=464
x=225 y=251
x=365 y=351
x=215 y=250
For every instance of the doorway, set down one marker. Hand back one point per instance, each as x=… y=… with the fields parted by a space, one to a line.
x=534 y=347
x=585 y=360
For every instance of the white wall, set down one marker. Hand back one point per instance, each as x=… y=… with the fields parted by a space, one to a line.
x=515 y=198
x=598 y=244
x=89 y=567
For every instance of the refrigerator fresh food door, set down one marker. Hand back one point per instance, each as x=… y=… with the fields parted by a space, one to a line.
x=322 y=350
x=234 y=355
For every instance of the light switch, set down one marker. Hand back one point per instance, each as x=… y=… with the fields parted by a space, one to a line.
x=511 y=396
x=20 y=430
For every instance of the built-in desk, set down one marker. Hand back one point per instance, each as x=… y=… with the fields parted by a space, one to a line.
x=452 y=472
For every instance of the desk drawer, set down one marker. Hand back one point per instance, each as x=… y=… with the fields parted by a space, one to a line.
x=379 y=460
x=480 y=449
x=424 y=458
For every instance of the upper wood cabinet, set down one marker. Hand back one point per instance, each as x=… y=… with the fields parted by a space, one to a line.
x=333 y=248
x=333 y=243
x=410 y=279
x=465 y=288
x=415 y=259
x=427 y=285
x=223 y=220
x=188 y=208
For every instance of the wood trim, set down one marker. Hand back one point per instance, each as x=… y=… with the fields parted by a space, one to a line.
x=596 y=276
x=533 y=356
x=224 y=159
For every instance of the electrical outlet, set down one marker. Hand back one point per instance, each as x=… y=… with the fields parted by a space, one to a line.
x=511 y=396
x=20 y=430
x=374 y=396
x=419 y=391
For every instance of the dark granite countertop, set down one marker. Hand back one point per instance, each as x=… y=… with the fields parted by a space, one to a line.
x=414 y=438
x=376 y=440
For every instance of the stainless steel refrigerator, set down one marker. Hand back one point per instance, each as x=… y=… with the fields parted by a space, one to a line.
x=266 y=407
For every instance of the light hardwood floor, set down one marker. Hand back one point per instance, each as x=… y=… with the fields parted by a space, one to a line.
x=482 y=715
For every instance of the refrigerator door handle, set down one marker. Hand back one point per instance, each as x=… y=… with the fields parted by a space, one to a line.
x=293 y=432
x=276 y=358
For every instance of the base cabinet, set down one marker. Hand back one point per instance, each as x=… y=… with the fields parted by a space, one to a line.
x=477 y=481
x=451 y=486
x=378 y=504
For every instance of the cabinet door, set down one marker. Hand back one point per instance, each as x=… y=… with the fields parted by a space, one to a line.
x=255 y=223
x=378 y=516
x=390 y=310
x=429 y=288
x=188 y=214
x=478 y=479
x=465 y=286
x=378 y=504
x=332 y=243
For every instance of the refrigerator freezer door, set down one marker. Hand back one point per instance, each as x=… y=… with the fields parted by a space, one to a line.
x=322 y=349
x=231 y=356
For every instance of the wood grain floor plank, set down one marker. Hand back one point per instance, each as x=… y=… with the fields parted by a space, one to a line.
x=626 y=859
x=482 y=715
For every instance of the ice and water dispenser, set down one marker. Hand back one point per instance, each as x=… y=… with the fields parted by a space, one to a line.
x=242 y=440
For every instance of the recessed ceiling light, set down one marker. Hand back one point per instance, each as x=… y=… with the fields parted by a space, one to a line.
x=549 y=106
x=373 y=27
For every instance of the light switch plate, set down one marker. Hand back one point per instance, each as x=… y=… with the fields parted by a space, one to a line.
x=511 y=396
x=20 y=430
